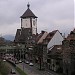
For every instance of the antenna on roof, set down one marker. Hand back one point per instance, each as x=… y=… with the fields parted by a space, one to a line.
x=0 y=35
x=64 y=36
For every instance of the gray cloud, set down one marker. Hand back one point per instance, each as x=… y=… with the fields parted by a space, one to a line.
x=52 y=14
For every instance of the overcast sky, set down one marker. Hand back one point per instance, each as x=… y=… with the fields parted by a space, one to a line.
x=52 y=15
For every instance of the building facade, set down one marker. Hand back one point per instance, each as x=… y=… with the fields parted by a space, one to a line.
x=25 y=36
x=69 y=54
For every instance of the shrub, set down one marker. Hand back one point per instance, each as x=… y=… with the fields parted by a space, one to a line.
x=20 y=71
x=4 y=69
x=59 y=70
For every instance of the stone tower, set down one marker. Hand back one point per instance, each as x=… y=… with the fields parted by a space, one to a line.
x=29 y=20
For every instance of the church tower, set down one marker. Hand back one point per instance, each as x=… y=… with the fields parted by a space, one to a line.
x=29 y=21
x=28 y=30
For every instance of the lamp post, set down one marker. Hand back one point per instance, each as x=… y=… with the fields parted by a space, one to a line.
x=20 y=54
x=18 y=47
x=40 y=63
x=40 y=56
x=23 y=58
x=23 y=55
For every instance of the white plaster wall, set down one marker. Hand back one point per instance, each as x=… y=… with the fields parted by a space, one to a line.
x=26 y=23
x=34 y=26
x=34 y=31
x=56 y=40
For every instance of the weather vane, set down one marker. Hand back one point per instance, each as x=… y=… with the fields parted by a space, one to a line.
x=28 y=5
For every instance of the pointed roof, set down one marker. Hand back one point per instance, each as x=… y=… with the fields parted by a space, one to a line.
x=28 y=13
x=71 y=36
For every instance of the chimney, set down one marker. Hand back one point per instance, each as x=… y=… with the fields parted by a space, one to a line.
x=61 y=33
x=42 y=32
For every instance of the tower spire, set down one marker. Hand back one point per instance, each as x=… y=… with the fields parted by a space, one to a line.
x=28 y=5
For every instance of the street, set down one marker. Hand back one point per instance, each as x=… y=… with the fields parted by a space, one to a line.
x=11 y=68
x=34 y=70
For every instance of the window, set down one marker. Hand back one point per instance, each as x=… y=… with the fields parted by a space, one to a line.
x=34 y=23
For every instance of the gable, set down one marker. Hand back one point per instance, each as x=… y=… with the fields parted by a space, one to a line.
x=56 y=40
x=49 y=37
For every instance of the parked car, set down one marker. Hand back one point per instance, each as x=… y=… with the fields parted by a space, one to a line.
x=4 y=60
x=31 y=64
x=20 y=61
x=27 y=62
x=13 y=71
x=16 y=62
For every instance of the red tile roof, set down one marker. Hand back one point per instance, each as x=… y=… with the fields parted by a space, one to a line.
x=39 y=36
x=49 y=36
x=71 y=36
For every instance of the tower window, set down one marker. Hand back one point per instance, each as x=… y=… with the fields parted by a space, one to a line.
x=34 y=23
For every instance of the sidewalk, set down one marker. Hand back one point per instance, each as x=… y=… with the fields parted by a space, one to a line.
x=33 y=70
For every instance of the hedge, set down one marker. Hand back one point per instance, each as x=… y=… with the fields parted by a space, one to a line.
x=20 y=71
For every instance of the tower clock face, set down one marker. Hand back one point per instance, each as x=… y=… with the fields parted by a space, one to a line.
x=26 y=23
x=30 y=23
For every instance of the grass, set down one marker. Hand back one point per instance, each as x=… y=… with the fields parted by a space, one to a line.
x=20 y=71
x=0 y=74
x=4 y=69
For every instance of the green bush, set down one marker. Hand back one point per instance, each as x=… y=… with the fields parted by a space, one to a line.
x=0 y=74
x=4 y=69
x=20 y=71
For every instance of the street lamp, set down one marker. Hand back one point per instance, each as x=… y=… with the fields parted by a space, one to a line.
x=40 y=63
x=23 y=55
x=23 y=59
x=40 y=55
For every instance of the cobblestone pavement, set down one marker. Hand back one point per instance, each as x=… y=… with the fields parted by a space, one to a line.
x=33 y=70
